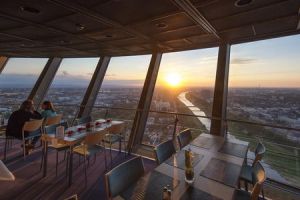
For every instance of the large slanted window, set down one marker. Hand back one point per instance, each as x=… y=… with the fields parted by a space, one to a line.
x=121 y=89
x=17 y=80
x=70 y=83
x=185 y=85
x=264 y=88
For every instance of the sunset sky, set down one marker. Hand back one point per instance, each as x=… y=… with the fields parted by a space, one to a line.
x=268 y=63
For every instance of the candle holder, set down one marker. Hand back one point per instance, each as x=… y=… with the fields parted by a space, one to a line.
x=189 y=170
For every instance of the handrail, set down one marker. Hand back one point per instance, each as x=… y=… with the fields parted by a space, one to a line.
x=181 y=114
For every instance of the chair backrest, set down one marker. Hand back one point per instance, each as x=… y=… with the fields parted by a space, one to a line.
x=83 y=120
x=33 y=125
x=117 y=128
x=122 y=176
x=53 y=120
x=164 y=151
x=95 y=138
x=184 y=138
x=259 y=153
x=258 y=178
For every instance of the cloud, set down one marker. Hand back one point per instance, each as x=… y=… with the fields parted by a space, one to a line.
x=242 y=61
x=65 y=73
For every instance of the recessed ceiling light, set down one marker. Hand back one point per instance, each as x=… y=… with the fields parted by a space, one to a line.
x=242 y=3
x=161 y=25
x=79 y=27
x=31 y=10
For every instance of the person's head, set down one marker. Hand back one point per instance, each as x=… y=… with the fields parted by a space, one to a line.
x=47 y=105
x=27 y=105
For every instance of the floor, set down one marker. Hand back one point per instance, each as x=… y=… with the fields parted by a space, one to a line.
x=29 y=183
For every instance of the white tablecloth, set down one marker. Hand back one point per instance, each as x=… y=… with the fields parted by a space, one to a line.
x=5 y=174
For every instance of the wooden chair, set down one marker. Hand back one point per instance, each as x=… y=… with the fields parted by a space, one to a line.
x=53 y=120
x=33 y=129
x=184 y=138
x=122 y=176
x=115 y=134
x=246 y=172
x=164 y=151
x=259 y=177
x=90 y=146
x=54 y=143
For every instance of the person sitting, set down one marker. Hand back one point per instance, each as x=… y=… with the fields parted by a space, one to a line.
x=17 y=120
x=48 y=110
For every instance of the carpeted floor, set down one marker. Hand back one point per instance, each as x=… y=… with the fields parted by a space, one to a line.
x=29 y=183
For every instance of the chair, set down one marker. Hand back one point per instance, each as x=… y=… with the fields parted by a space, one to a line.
x=122 y=176
x=259 y=177
x=33 y=129
x=53 y=120
x=51 y=129
x=83 y=120
x=246 y=172
x=115 y=134
x=164 y=151
x=184 y=138
x=90 y=146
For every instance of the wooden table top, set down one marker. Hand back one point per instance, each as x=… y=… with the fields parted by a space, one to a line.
x=216 y=174
x=79 y=135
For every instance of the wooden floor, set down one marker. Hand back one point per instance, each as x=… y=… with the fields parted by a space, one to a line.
x=29 y=183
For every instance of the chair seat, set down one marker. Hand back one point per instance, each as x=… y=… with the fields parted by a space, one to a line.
x=87 y=150
x=242 y=195
x=58 y=146
x=112 y=138
x=246 y=173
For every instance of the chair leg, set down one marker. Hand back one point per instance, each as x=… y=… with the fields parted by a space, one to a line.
x=105 y=161
x=65 y=154
x=95 y=158
x=67 y=164
x=5 y=148
x=111 y=162
x=56 y=163
x=124 y=148
x=239 y=184
x=42 y=159
x=85 y=170
x=88 y=159
x=262 y=192
x=246 y=186
x=24 y=150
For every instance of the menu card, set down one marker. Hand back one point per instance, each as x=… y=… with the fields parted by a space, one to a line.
x=60 y=132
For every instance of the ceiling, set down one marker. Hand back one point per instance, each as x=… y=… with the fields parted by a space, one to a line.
x=84 y=28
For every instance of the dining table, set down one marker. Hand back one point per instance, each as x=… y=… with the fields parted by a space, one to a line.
x=217 y=164
x=79 y=132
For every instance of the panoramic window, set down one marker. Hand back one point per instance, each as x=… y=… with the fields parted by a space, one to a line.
x=16 y=82
x=185 y=85
x=121 y=89
x=264 y=88
x=70 y=83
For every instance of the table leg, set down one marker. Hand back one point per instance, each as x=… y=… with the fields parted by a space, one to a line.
x=70 y=165
x=45 y=159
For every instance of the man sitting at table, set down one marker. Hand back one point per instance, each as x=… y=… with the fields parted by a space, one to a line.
x=17 y=120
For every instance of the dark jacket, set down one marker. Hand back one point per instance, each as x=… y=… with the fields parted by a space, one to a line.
x=17 y=120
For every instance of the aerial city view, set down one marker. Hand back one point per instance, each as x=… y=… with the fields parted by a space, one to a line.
x=184 y=99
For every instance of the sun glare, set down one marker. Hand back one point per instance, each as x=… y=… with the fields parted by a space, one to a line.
x=173 y=79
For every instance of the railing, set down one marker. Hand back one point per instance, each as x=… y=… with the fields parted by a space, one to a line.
x=289 y=153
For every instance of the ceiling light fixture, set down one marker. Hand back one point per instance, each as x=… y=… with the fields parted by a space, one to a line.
x=79 y=27
x=31 y=10
x=161 y=25
x=243 y=3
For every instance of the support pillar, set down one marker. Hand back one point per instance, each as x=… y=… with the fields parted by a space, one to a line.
x=141 y=115
x=218 y=123
x=44 y=81
x=3 y=61
x=94 y=87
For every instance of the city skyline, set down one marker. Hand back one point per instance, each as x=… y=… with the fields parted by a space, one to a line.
x=267 y=63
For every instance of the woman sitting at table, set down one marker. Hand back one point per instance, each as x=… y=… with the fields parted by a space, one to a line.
x=17 y=120
x=48 y=110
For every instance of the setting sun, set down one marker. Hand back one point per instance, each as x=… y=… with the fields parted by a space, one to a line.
x=173 y=79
